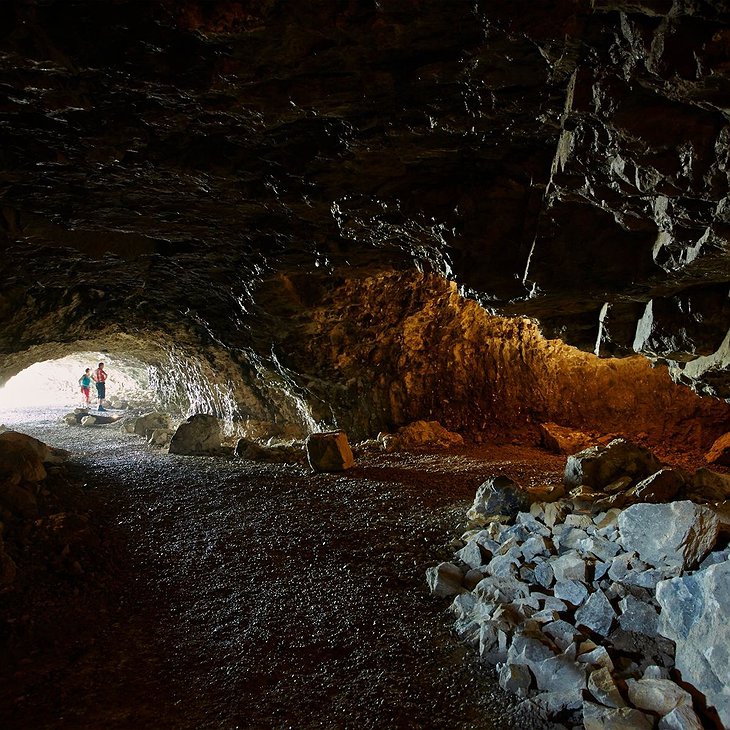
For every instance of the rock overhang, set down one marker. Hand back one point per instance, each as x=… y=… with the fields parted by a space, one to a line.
x=167 y=167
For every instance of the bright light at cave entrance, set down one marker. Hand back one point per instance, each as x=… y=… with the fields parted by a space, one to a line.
x=55 y=383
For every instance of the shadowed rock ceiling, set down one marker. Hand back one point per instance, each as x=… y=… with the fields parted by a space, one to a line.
x=206 y=174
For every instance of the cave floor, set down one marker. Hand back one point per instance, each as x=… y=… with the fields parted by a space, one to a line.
x=250 y=595
x=241 y=594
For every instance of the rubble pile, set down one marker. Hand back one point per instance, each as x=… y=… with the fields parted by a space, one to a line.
x=594 y=614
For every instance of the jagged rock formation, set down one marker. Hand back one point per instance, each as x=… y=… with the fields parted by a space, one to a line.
x=215 y=179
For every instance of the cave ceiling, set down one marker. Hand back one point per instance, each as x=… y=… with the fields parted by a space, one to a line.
x=166 y=161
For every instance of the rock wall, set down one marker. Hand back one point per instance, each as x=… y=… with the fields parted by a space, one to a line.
x=384 y=350
x=562 y=161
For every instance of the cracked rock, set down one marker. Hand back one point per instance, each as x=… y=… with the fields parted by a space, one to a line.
x=677 y=534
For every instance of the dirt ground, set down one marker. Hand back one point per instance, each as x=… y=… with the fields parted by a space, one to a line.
x=222 y=593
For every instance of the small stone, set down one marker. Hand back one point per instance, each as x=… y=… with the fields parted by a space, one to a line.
x=468 y=631
x=509 y=543
x=472 y=578
x=527 y=602
x=603 y=688
x=444 y=580
x=545 y=616
x=484 y=540
x=603 y=549
x=529 y=650
x=533 y=547
x=471 y=554
x=638 y=616
x=503 y=565
x=680 y=718
x=581 y=521
x=561 y=632
x=596 y=614
x=554 y=604
x=499 y=495
x=650 y=578
x=527 y=573
x=531 y=524
x=560 y=674
x=622 y=565
x=571 y=591
x=657 y=695
x=555 y=512
x=88 y=421
x=493 y=643
x=600 y=570
x=515 y=678
x=463 y=605
x=599 y=717
x=598 y=657
x=570 y=566
x=500 y=589
x=544 y=574
x=608 y=519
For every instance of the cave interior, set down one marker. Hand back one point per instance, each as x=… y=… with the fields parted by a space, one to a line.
x=361 y=214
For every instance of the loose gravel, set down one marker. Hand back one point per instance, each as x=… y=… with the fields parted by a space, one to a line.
x=265 y=596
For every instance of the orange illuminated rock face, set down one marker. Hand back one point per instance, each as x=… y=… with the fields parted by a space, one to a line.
x=403 y=348
x=172 y=172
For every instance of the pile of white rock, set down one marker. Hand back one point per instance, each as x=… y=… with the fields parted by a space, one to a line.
x=591 y=616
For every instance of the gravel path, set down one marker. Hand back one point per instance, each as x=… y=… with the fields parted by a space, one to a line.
x=263 y=596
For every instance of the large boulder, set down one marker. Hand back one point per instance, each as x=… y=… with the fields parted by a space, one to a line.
x=199 y=435
x=146 y=424
x=329 y=451
x=710 y=485
x=719 y=452
x=20 y=461
x=678 y=534
x=662 y=486
x=562 y=440
x=419 y=434
x=499 y=495
x=47 y=454
x=696 y=616
x=281 y=453
x=599 y=466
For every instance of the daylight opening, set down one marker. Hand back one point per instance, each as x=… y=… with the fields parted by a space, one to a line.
x=55 y=383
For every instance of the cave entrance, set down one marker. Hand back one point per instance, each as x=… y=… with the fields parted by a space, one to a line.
x=52 y=385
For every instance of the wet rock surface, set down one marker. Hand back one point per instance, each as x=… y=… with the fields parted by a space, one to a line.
x=235 y=168
x=581 y=610
x=260 y=595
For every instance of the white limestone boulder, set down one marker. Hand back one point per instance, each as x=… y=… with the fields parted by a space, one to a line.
x=676 y=534
x=499 y=495
x=695 y=614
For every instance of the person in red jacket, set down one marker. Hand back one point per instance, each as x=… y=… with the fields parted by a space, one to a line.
x=99 y=377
